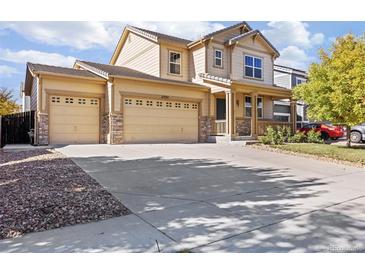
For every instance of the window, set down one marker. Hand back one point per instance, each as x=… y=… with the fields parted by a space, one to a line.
x=186 y=105
x=168 y=104
x=218 y=58
x=128 y=101
x=82 y=101
x=260 y=107
x=175 y=62
x=194 y=106
x=139 y=102
x=178 y=105
x=159 y=104
x=299 y=81
x=253 y=67
x=149 y=103
x=248 y=106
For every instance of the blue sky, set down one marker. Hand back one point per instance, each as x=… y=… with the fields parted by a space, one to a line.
x=60 y=43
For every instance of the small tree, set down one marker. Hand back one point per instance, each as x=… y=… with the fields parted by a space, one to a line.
x=7 y=104
x=335 y=90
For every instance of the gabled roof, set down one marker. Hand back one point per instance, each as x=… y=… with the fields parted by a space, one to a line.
x=158 y=35
x=242 y=24
x=33 y=69
x=107 y=71
x=252 y=33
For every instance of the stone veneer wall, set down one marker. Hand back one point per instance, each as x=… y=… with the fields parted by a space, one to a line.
x=116 y=124
x=243 y=127
x=112 y=129
x=206 y=124
x=104 y=129
x=42 y=134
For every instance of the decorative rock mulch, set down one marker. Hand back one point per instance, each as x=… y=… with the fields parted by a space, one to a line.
x=310 y=156
x=41 y=189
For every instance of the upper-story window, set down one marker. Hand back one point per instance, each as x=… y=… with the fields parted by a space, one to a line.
x=218 y=58
x=299 y=81
x=175 y=62
x=253 y=67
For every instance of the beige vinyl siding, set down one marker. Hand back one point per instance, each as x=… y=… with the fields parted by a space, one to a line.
x=140 y=54
x=238 y=63
x=184 y=76
x=197 y=61
x=34 y=94
x=268 y=107
x=224 y=71
x=69 y=85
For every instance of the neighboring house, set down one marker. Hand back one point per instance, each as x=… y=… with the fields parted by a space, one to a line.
x=159 y=88
x=25 y=99
x=288 y=78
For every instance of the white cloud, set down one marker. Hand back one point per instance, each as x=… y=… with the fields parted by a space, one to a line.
x=292 y=56
x=292 y=33
x=34 y=56
x=7 y=71
x=78 y=35
x=85 y=35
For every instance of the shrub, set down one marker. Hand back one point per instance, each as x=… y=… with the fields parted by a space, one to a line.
x=314 y=137
x=298 y=137
x=273 y=136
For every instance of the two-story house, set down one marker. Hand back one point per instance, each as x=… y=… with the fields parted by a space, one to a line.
x=289 y=78
x=160 y=88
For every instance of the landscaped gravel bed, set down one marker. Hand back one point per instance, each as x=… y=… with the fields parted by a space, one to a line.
x=42 y=189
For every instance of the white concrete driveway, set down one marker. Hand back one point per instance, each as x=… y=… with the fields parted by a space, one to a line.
x=207 y=198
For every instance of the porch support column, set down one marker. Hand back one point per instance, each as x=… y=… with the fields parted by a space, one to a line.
x=227 y=112
x=293 y=115
x=232 y=107
x=254 y=115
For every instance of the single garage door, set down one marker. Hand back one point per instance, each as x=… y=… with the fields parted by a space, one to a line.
x=73 y=120
x=153 y=121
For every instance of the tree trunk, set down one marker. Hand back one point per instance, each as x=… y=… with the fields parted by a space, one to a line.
x=348 y=140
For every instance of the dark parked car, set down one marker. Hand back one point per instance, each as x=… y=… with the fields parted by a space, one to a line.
x=327 y=131
x=358 y=133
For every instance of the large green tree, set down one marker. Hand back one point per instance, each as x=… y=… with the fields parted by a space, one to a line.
x=7 y=103
x=335 y=90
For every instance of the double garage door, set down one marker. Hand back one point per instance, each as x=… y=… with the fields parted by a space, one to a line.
x=75 y=120
x=154 y=121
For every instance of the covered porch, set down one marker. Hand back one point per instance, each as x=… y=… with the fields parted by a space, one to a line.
x=245 y=110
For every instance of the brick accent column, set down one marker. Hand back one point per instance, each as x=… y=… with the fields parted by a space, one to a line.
x=42 y=134
x=206 y=124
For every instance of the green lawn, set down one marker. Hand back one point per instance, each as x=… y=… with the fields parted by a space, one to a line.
x=353 y=154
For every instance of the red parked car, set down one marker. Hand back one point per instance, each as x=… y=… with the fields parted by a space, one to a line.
x=327 y=131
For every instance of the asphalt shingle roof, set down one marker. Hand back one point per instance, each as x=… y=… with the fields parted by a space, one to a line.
x=111 y=70
x=162 y=35
x=60 y=70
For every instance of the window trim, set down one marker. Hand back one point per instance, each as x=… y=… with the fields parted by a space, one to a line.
x=215 y=57
x=253 y=67
x=169 y=62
